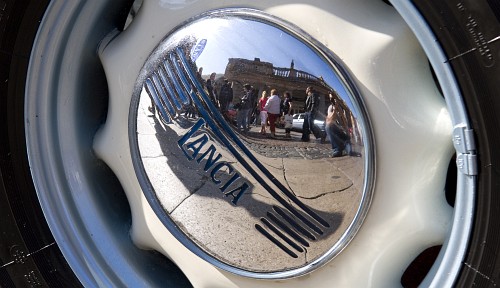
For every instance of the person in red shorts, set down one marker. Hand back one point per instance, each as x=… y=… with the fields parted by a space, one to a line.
x=273 y=110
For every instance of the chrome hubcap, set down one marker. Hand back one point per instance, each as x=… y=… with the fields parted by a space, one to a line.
x=224 y=192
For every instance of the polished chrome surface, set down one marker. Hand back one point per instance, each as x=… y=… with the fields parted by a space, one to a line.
x=249 y=203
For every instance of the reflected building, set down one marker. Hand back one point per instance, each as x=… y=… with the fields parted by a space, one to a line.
x=264 y=76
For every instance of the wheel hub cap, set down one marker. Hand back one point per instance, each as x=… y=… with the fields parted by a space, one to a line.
x=252 y=205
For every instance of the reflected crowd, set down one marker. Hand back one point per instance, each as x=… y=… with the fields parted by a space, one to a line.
x=259 y=111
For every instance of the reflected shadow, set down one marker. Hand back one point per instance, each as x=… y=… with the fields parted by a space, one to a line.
x=270 y=218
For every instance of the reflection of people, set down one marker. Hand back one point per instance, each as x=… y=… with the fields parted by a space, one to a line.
x=199 y=75
x=338 y=137
x=287 y=110
x=211 y=88
x=273 y=110
x=263 y=113
x=245 y=108
x=225 y=96
x=312 y=105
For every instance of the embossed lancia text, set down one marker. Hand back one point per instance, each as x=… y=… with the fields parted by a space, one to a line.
x=195 y=146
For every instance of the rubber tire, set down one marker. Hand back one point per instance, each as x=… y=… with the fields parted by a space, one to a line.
x=28 y=253
x=29 y=256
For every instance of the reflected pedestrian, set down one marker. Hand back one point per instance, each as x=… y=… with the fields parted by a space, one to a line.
x=273 y=110
x=225 y=97
x=199 y=76
x=211 y=88
x=263 y=113
x=287 y=110
x=312 y=107
x=245 y=108
x=338 y=137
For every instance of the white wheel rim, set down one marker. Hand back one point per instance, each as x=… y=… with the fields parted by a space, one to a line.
x=391 y=236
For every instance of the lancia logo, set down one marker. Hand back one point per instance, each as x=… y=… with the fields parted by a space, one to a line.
x=255 y=205
x=213 y=164
x=198 y=49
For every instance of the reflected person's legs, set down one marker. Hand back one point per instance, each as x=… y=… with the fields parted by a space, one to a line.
x=263 y=120
x=305 y=127
x=312 y=128
x=246 y=117
x=247 y=124
x=239 y=119
x=336 y=151
x=343 y=140
x=272 y=123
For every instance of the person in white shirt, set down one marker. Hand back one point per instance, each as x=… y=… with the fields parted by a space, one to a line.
x=273 y=110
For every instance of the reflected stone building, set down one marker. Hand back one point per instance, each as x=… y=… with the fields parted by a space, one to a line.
x=264 y=76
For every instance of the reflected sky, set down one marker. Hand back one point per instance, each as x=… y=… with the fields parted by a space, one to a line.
x=247 y=39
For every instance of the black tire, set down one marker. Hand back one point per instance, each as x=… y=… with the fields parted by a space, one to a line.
x=467 y=30
x=28 y=253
